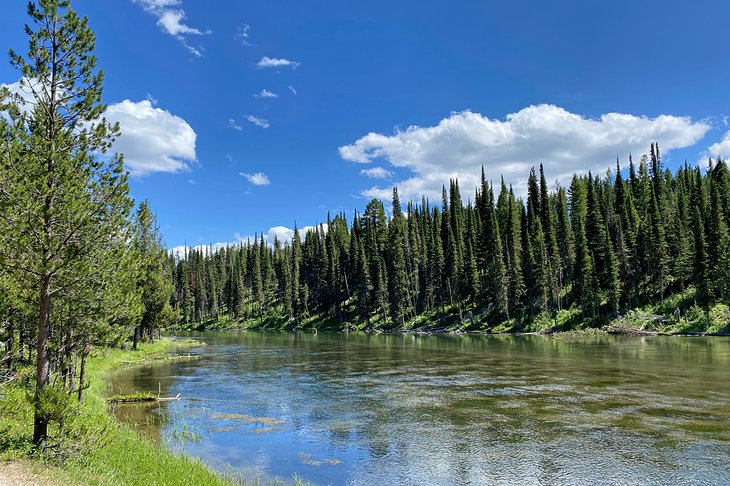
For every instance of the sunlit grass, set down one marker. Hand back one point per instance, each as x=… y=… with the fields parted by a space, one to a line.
x=113 y=453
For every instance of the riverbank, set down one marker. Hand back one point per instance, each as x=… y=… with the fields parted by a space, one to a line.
x=656 y=320
x=96 y=448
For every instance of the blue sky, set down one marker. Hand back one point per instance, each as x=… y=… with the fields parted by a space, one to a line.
x=238 y=117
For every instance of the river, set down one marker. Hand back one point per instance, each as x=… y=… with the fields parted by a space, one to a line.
x=365 y=409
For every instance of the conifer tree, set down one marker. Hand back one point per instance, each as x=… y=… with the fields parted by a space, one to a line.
x=537 y=280
x=66 y=209
x=583 y=276
x=155 y=284
x=296 y=261
x=514 y=258
x=397 y=276
x=495 y=284
x=551 y=244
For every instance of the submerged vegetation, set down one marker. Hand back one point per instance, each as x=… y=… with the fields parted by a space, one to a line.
x=647 y=253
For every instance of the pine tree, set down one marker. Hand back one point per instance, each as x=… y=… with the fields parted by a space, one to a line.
x=564 y=234
x=435 y=287
x=397 y=275
x=495 y=283
x=551 y=244
x=516 y=291
x=154 y=283
x=296 y=261
x=537 y=279
x=657 y=251
x=362 y=285
x=717 y=242
x=471 y=270
x=700 y=274
x=65 y=236
x=583 y=274
x=452 y=257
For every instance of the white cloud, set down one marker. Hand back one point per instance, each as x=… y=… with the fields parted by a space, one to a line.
x=282 y=233
x=170 y=19
x=181 y=250
x=265 y=93
x=268 y=62
x=292 y=89
x=243 y=34
x=192 y=182
x=232 y=123
x=152 y=139
x=257 y=179
x=22 y=91
x=722 y=148
x=376 y=173
x=564 y=142
x=171 y=22
x=259 y=122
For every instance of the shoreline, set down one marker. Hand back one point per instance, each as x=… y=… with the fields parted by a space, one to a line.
x=118 y=454
x=593 y=331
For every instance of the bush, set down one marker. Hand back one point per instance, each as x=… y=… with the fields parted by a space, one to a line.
x=719 y=319
x=695 y=314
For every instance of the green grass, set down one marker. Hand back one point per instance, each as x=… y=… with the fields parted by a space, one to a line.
x=105 y=452
x=648 y=319
x=133 y=397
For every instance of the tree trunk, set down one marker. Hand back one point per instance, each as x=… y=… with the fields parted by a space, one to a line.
x=42 y=374
x=10 y=346
x=136 y=337
x=82 y=373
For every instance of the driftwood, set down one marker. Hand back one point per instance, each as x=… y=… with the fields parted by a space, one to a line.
x=148 y=397
x=167 y=399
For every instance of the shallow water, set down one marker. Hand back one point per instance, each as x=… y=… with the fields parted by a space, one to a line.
x=404 y=409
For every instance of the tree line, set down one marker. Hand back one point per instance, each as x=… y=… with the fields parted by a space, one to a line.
x=598 y=248
x=79 y=266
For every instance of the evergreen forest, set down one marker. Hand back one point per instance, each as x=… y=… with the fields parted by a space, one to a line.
x=565 y=258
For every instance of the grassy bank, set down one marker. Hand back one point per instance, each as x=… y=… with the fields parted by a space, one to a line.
x=97 y=449
x=658 y=318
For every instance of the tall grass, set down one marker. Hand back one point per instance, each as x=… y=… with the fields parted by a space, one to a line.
x=105 y=451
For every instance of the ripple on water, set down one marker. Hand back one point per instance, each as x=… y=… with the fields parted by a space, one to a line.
x=438 y=410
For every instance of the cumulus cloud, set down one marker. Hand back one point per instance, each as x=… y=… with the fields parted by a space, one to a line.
x=152 y=139
x=170 y=19
x=268 y=62
x=564 y=142
x=281 y=233
x=257 y=179
x=376 y=173
x=722 y=148
x=265 y=93
x=259 y=122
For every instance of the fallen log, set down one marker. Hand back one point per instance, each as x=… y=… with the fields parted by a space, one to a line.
x=141 y=397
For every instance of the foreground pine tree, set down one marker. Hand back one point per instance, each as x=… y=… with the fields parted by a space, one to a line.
x=64 y=203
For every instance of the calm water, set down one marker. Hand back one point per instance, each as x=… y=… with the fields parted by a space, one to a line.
x=386 y=409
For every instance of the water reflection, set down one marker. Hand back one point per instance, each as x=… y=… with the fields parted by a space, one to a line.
x=385 y=409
